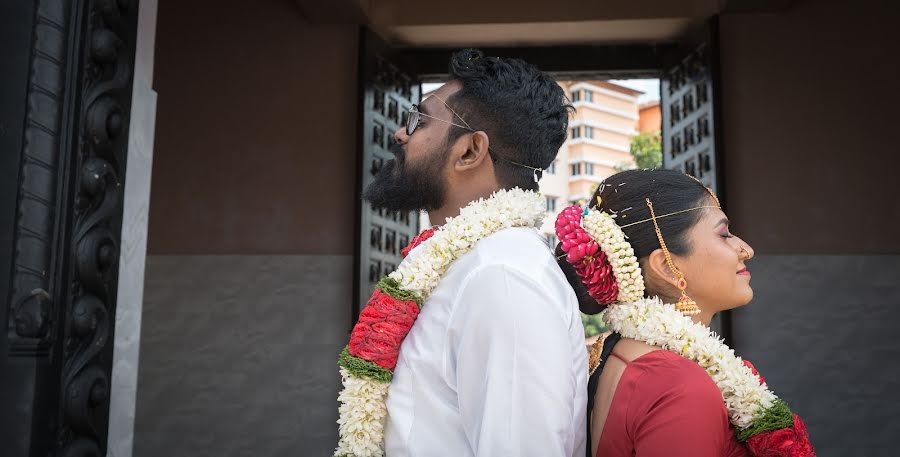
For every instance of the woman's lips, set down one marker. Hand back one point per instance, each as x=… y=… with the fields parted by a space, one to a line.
x=744 y=272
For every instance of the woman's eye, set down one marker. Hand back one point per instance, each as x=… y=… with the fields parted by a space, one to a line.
x=727 y=235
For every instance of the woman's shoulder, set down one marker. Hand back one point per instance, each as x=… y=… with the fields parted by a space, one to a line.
x=667 y=373
x=667 y=390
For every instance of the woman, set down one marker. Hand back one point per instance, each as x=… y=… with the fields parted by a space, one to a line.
x=654 y=251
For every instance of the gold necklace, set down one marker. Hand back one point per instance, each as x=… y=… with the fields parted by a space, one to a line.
x=594 y=353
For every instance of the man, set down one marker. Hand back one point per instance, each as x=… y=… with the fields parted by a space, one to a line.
x=495 y=364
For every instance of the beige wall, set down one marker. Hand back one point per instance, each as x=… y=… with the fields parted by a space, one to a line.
x=578 y=149
x=606 y=136
x=613 y=120
x=256 y=131
x=810 y=103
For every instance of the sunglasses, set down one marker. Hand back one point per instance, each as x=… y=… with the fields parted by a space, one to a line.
x=415 y=117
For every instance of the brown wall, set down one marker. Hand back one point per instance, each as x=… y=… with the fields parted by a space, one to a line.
x=256 y=131
x=651 y=119
x=809 y=114
x=810 y=106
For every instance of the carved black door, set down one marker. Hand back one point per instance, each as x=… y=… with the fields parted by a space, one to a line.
x=387 y=93
x=65 y=98
x=691 y=125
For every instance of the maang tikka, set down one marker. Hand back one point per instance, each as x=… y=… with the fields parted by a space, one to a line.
x=686 y=305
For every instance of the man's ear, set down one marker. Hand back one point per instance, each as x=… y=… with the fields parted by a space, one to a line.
x=477 y=149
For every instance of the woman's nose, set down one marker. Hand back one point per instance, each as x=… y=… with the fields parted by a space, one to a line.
x=746 y=247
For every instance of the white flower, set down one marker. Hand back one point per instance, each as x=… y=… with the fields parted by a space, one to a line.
x=604 y=230
x=659 y=324
x=481 y=218
x=362 y=416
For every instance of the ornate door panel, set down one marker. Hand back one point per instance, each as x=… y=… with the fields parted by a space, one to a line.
x=71 y=64
x=387 y=94
x=688 y=118
x=691 y=130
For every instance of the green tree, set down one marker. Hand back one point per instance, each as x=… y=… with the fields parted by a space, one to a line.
x=646 y=149
x=593 y=325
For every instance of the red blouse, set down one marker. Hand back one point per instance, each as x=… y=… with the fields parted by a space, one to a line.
x=666 y=405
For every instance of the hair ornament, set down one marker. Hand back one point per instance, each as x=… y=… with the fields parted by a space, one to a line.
x=602 y=257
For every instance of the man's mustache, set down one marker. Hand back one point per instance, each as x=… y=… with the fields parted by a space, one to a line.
x=398 y=152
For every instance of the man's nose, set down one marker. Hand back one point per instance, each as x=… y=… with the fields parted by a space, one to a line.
x=400 y=135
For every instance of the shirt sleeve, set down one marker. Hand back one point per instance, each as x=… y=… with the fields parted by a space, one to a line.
x=510 y=343
x=679 y=414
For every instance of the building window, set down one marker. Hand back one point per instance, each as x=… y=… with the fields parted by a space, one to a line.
x=589 y=169
x=576 y=132
x=551 y=204
x=551 y=170
x=576 y=169
x=588 y=131
x=576 y=96
x=588 y=96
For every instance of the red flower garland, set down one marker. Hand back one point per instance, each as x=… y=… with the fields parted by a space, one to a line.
x=385 y=321
x=382 y=325
x=785 y=442
x=583 y=253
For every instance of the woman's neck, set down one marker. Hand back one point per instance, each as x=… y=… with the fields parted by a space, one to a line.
x=705 y=317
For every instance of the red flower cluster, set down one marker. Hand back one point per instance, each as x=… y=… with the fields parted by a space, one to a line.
x=583 y=253
x=382 y=326
x=419 y=239
x=785 y=442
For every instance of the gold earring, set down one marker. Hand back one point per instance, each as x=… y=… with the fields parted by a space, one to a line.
x=686 y=305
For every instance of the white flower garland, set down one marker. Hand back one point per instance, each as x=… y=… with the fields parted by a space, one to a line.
x=658 y=324
x=363 y=411
x=604 y=230
x=362 y=414
x=506 y=208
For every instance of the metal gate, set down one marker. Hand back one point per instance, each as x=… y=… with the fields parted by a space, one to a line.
x=387 y=93
x=688 y=118
x=691 y=126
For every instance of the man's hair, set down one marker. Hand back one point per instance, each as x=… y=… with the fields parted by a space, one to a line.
x=524 y=112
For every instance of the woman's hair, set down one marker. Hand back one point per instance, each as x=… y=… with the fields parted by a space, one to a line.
x=625 y=194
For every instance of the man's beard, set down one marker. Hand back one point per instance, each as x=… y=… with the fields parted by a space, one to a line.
x=401 y=187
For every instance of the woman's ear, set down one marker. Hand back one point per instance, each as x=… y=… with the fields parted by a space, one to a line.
x=661 y=276
x=477 y=149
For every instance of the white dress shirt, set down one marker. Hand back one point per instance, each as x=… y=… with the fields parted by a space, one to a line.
x=495 y=364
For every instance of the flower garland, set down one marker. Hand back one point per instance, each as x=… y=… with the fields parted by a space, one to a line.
x=368 y=361
x=761 y=419
x=601 y=227
x=595 y=245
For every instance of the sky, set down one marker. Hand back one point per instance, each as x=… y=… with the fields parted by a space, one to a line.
x=650 y=87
